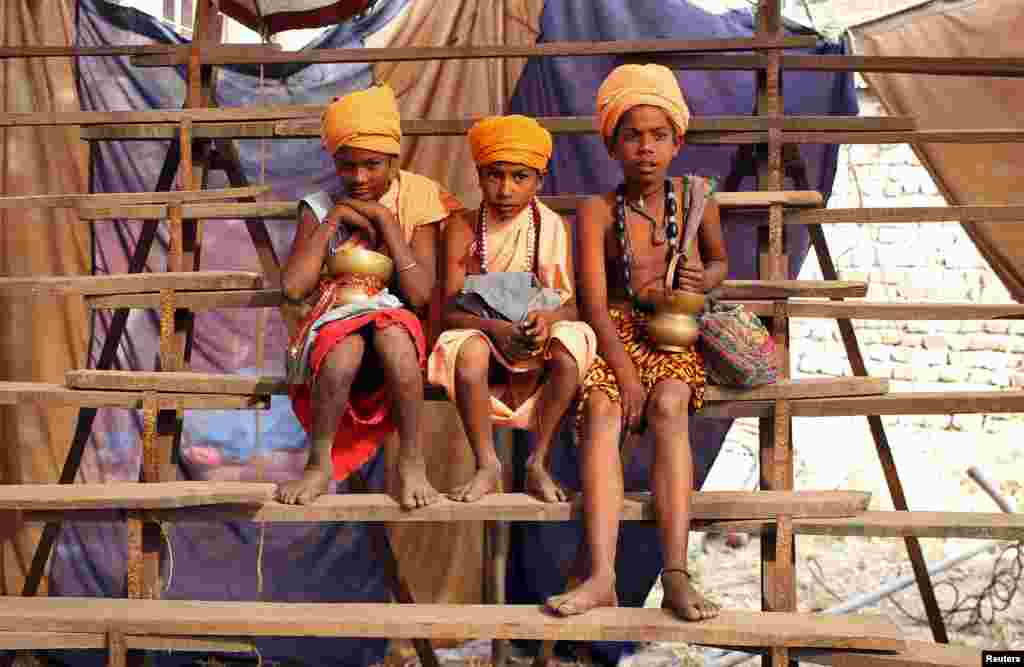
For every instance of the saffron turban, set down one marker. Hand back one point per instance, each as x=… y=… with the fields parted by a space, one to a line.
x=366 y=119
x=515 y=139
x=629 y=86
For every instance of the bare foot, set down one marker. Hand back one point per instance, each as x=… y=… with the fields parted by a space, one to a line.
x=592 y=593
x=314 y=483
x=540 y=484
x=683 y=599
x=484 y=481
x=414 y=490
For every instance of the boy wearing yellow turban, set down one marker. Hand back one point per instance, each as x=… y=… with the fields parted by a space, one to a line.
x=624 y=244
x=355 y=368
x=499 y=371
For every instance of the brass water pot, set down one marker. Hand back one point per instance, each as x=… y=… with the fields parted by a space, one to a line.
x=674 y=326
x=360 y=273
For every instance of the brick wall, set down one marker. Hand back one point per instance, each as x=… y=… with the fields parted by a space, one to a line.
x=910 y=262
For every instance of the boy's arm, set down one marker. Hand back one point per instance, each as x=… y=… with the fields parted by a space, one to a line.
x=593 y=224
x=712 y=247
x=309 y=249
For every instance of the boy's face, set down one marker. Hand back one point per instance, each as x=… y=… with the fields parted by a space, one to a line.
x=645 y=143
x=508 y=187
x=365 y=174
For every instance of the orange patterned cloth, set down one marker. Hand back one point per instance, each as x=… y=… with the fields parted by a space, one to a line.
x=652 y=365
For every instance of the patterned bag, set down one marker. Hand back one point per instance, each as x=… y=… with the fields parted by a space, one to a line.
x=738 y=349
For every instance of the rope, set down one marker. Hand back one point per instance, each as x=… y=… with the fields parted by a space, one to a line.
x=259 y=558
x=165 y=533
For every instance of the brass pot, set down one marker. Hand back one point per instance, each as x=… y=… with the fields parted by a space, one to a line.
x=674 y=326
x=360 y=273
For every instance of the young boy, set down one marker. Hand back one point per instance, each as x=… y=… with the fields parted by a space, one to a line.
x=356 y=370
x=519 y=375
x=624 y=245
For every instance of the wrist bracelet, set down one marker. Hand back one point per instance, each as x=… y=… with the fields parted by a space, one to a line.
x=407 y=267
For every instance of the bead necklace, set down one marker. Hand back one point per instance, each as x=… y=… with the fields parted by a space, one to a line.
x=671 y=232
x=531 y=236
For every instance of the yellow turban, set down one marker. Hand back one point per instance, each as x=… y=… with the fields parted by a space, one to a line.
x=515 y=139
x=629 y=86
x=366 y=119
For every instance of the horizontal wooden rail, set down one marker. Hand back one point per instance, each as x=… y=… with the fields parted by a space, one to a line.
x=935 y=66
x=908 y=214
x=648 y=48
x=893 y=403
x=286 y=210
x=7 y=52
x=127 y=283
x=868 y=310
x=130 y=198
x=210 y=501
x=20 y=393
x=215 y=383
x=29 y=641
x=966 y=525
x=915 y=654
x=443 y=621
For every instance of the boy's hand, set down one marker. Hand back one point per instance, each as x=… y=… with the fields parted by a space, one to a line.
x=537 y=326
x=511 y=342
x=634 y=404
x=360 y=226
x=690 y=276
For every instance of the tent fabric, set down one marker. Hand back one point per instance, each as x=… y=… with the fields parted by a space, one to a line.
x=34 y=241
x=268 y=17
x=967 y=174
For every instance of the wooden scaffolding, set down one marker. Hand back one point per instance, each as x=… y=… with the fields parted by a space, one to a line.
x=201 y=140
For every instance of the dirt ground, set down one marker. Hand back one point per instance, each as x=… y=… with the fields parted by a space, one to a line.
x=838 y=453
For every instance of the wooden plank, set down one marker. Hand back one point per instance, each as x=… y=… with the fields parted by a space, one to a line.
x=795 y=198
x=7 y=52
x=737 y=290
x=122 y=198
x=268 y=210
x=914 y=654
x=212 y=55
x=443 y=621
x=873 y=310
x=802 y=388
x=130 y=282
x=28 y=641
x=986 y=136
x=893 y=403
x=130 y=495
x=18 y=393
x=907 y=214
x=253 y=502
x=959 y=66
x=219 y=383
x=965 y=525
x=180 y=382
x=198 y=300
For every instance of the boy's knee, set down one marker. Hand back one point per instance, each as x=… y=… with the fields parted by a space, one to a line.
x=561 y=362
x=670 y=400
x=337 y=377
x=473 y=361
x=599 y=407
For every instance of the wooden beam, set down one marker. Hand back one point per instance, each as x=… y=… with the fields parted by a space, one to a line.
x=893 y=403
x=20 y=393
x=254 y=501
x=267 y=210
x=128 y=198
x=257 y=55
x=909 y=214
x=28 y=641
x=958 y=66
x=915 y=654
x=868 y=310
x=735 y=290
x=198 y=300
x=986 y=136
x=443 y=621
x=7 y=52
x=216 y=383
x=121 y=283
x=966 y=525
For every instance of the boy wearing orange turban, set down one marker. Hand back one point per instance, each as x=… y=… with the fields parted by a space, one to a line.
x=499 y=371
x=355 y=365
x=624 y=244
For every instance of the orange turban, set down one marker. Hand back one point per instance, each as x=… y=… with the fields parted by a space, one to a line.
x=366 y=119
x=516 y=139
x=629 y=86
